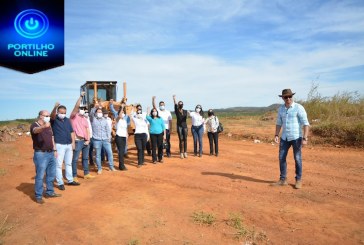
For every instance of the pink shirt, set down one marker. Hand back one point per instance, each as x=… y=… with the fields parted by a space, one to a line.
x=80 y=126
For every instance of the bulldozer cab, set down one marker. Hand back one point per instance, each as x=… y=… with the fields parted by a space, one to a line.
x=106 y=90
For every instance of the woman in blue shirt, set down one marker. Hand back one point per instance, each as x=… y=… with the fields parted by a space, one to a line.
x=157 y=134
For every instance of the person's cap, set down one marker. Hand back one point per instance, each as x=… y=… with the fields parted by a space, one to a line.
x=286 y=92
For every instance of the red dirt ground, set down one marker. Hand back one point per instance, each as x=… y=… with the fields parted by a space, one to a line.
x=155 y=204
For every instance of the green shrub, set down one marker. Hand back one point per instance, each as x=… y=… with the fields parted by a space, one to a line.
x=339 y=119
x=203 y=218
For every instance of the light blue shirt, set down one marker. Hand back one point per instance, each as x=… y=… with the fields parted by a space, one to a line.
x=100 y=127
x=292 y=120
x=156 y=125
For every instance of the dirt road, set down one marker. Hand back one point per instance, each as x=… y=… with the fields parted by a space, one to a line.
x=156 y=203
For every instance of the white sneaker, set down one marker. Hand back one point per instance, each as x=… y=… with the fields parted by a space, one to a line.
x=99 y=171
x=185 y=154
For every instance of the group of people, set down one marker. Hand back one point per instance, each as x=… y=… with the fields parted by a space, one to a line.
x=57 y=138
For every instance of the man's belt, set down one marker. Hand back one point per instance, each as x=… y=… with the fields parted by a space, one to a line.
x=43 y=150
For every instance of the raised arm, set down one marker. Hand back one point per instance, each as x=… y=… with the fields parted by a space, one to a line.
x=54 y=111
x=112 y=109
x=77 y=105
x=120 y=115
x=174 y=99
x=153 y=102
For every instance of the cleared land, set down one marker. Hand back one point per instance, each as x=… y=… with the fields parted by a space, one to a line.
x=163 y=203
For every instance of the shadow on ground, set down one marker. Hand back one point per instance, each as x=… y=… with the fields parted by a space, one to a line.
x=234 y=176
x=27 y=189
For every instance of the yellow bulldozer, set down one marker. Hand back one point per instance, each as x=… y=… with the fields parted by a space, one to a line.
x=103 y=92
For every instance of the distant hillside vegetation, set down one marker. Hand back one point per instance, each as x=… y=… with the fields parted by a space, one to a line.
x=248 y=110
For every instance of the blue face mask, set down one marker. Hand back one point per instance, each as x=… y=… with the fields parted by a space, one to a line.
x=161 y=107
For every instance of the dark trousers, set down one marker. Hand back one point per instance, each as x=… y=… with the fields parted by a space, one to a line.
x=90 y=152
x=148 y=145
x=182 y=136
x=157 y=142
x=213 y=139
x=168 y=141
x=140 y=141
x=121 y=143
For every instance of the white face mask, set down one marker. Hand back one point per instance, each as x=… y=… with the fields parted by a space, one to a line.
x=154 y=113
x=46 y=119
x=122 y=115
x=99 y=115
x=61 y=116
x=86 y=114
x=198 y=110
x=105 y=115
x=139 y=111
x=82 y=112
x=161 y=107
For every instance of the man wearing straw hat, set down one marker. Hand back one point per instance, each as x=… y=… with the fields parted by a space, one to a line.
x=291 y=118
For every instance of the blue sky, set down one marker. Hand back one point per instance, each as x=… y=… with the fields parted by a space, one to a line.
x=215 y=53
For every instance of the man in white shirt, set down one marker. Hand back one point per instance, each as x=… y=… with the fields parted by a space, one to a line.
x=167 y=118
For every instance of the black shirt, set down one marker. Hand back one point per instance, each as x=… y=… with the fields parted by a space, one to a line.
x=181 y=117
x=43 y=140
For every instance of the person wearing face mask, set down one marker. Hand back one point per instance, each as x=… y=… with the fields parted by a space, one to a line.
x=101 y=137
x=64 y=137
x=91 y=115
x=212 y=123
x=167 y=119
x=197 y=129
x=126 y=117
x=141 y=133
x=105 y=114
x=44 y=156
x=157 y=134
x=82 y=138
x=182 y=130
x=121 y=135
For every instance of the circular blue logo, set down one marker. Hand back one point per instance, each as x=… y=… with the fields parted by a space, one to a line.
x=31 y=23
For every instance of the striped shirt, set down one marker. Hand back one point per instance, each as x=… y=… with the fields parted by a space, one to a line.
x=291 y=120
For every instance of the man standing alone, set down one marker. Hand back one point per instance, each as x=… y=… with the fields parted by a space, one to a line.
x=291 y=118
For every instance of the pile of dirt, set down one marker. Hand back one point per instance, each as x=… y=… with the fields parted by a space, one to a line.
x=11 y=133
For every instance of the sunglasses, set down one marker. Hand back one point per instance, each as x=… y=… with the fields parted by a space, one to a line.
x=287 y=97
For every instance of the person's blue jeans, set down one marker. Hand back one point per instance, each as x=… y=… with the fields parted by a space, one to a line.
x=98 y=145
x=80 y=146
x=283 y=151
x=197 y=133
x=45 y=163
